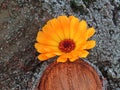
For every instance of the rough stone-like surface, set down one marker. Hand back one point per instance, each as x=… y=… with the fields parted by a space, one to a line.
x=20 y=21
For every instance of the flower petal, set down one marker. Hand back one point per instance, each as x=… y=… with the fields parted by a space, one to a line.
x=85 y=44
x=73 y=26
x=53 y=27
x=44 y=39
x=61 y=59
x=80 y=44
x=64 y=23
x=73 y=59
x=83 y=54
x=41 y=48
x=90 y=44
x=47 y=29
x=89 y=33
x=43 y=57
x=82 y=27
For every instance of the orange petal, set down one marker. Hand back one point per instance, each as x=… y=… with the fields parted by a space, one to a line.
x=62 y=58
x=70 y=18
x=83 y=54
x=48 y=30
x=41 y=48
x=82 y=27
x=48 y=49
x=73 y=26
x=73 y=59
x=57 y=28
x=43 y=57
x=90 y=32
x=80 y=44
x=90 y=44
x=44 y=39
x=64 y=23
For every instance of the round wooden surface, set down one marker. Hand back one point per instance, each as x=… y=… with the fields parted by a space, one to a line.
x=77 y=75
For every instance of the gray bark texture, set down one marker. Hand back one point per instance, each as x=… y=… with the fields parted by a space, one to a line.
x=20 y=20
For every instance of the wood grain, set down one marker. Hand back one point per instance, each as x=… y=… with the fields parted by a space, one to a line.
x=77 y=75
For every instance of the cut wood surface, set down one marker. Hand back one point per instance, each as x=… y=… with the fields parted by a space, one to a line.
x=77 y=75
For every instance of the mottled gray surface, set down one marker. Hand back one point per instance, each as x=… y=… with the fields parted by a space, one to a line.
x=20 y=21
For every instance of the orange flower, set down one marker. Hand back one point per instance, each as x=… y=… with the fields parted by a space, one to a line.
x=66 y=37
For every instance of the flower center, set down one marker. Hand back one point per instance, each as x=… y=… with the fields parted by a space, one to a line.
x=67 y=45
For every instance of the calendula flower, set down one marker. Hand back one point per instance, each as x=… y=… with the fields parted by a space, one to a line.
x=66 y=37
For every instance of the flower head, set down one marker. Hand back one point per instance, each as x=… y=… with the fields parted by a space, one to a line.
x=66 y=37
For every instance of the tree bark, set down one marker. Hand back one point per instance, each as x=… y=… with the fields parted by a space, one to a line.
x=20 y=20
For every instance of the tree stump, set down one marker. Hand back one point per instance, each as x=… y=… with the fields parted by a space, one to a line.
x=78 y=75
